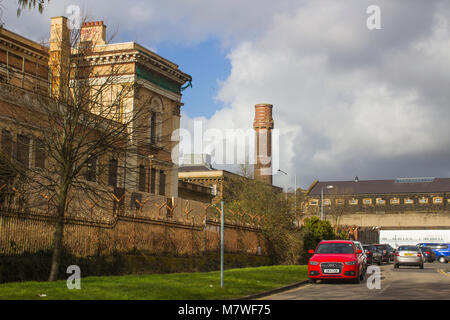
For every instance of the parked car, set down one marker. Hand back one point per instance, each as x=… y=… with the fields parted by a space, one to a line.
x=408 y=256
x=428 y=253
x=384 y=252
x=442 y=250
x=373 y=254
x=337 y=259
x=390 y=251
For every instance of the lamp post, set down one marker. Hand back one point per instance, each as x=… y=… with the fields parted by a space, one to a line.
x=321 y=197
x=221 y=243
x=286 y=186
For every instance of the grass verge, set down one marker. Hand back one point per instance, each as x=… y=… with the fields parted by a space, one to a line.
x=175 y=286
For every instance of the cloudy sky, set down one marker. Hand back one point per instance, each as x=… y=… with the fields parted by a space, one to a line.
x=347 y=100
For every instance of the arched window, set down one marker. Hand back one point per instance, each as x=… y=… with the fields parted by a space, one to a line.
x=155 y=121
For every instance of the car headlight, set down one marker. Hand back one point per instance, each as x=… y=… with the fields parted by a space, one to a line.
x=350 y=263
x=313 y=263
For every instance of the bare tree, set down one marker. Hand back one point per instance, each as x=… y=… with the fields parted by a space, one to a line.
x=276 y=218
x=80 y=131
x=246 y=170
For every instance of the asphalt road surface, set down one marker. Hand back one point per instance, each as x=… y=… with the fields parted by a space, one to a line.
x=406 y=283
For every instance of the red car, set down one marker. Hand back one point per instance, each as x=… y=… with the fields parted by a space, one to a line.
x=337 y=259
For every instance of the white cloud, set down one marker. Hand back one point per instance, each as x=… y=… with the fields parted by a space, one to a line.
x=349 y=101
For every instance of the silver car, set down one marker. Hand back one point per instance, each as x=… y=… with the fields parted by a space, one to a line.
x=408 y=256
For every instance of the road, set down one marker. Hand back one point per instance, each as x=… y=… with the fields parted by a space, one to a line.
x=406 y=283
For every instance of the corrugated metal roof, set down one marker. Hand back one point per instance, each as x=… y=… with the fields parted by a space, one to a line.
x=382 y=186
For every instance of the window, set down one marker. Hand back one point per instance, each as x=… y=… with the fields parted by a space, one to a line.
x=153 y=181
x=162 y=183
x=335 y=248
x=326 y=202
x=112 y=172
x=409 y=201
x=395 y=201
x=313 y=202
x=353 y=202
x=380 y=201
x=423 y=200
x=367 y=201
x=340 y=202
x=91 y=172
x=153 y=128
x=142 y=178
x=7 y=144
x=39 y=154
x=438 y=200
x=23 y=151
x=155 y=122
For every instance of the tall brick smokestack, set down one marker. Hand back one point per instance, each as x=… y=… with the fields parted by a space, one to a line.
x=263 y=126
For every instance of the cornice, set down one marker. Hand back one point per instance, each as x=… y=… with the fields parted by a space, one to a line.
x=22 y=49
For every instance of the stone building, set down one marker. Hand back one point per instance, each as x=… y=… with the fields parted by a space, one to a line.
x=403 y=202
x=199 y=171
x=37 y=69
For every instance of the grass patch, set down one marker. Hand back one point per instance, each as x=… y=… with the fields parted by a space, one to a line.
x=176 y=286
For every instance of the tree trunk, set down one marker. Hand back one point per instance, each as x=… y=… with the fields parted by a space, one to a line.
x=57 y=244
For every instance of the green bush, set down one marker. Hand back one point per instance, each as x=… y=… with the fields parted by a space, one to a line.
x=316 y=230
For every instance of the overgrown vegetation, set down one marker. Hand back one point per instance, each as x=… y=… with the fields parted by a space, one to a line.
x=284 y=241
x=36 y=266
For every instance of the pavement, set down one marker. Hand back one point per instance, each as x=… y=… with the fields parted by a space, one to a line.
x=405 y=283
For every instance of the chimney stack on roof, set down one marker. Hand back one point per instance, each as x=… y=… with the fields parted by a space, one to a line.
x=58 y=63
x=93 y=32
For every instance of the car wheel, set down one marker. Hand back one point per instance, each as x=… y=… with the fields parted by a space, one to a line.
x=362 y=276
x=312 y=280
x=442 y=260
x=357 y=280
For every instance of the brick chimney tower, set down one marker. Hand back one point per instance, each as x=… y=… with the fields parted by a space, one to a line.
x=59 y=57
x=93 y=33
x=263 y=126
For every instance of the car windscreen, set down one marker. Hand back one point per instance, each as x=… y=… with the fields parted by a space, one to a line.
x=330 y=248
x=408 y=248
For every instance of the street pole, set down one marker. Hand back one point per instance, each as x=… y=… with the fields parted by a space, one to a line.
x=221 y=244
x=295 y=194
x=287 y=186
x=321 y=204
